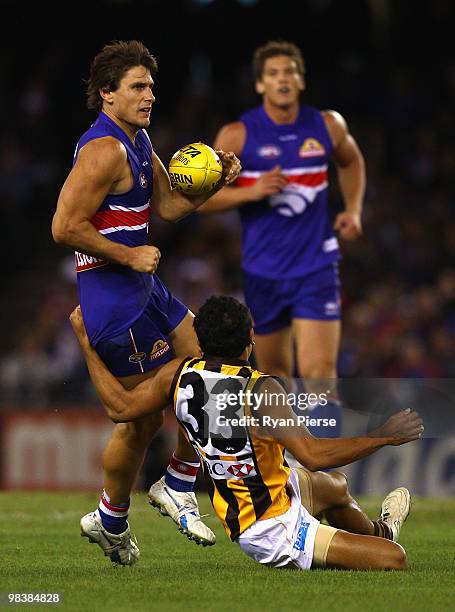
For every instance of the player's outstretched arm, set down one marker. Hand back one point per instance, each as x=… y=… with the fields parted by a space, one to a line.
x=232 y=137
x=99 y=166
x=172 y=204
x=322 y=453
x=351 y=175
x=122 y=405
x=401 y=424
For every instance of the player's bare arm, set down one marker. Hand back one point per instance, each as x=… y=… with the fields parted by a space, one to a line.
x=101 y=168
x=323 y=453
x=232 y=137
x=351 y=175
x=172 y=204
x=122 y=405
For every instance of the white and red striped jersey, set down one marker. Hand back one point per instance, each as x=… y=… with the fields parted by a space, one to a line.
x=288 y=235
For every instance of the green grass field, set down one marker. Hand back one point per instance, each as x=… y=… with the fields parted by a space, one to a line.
x=41 y=551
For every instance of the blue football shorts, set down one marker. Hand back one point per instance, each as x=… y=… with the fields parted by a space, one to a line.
x=145 y=345
x=274 y=303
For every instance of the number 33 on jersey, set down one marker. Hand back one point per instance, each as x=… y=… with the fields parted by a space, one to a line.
x=204 y=396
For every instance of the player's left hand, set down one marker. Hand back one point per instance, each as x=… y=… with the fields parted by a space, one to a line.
x=348 y=225
x=77 y=323
x=231 y=166
x=403 y=424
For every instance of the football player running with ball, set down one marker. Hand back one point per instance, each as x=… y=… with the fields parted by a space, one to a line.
x=267 y=508
x=135 y=324
x=290 y=251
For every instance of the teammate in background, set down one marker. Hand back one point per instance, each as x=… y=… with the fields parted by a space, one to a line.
x=290 y=251
x=264 y=506
x=133 y=321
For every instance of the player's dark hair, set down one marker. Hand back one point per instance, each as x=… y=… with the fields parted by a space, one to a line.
x=223 y=327
x=111 y=63
x=272 y=49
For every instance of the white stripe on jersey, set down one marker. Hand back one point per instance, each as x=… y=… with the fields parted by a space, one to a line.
x=144 y=131
x=131 y=208
x=298 y=171
x=128 y=228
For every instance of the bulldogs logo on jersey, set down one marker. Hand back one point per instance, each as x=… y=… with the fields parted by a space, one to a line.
x=143 y=180
x=311 y=148
x=269 y=151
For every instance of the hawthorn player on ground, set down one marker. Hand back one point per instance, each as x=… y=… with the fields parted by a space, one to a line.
x=266 y=507
x=133 y=321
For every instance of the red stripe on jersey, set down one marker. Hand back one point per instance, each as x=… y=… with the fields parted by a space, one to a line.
x=308 y=179
x=104 y=219
x=245 y=181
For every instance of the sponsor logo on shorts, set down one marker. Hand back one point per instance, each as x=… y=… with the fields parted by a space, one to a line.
x=159 y=349
x=299 y=543
x=269 y=151
x=143 y=180
x=311 y=148
x=137 y=357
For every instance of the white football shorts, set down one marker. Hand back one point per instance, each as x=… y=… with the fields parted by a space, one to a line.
x=286 y=540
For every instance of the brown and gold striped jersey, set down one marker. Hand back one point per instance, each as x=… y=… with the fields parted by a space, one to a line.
x=246 y=474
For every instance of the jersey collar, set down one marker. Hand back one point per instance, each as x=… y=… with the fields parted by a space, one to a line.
x=226 y=360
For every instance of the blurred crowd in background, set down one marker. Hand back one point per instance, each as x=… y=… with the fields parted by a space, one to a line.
x=394 y=83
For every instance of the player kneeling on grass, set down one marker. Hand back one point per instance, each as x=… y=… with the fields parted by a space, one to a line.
x=266 y=507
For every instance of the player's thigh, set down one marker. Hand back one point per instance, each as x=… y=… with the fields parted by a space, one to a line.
x=362 y=552
x=141 y=430
x=183 y=338
x=317 y=344
x=274 y=352
x=269 y=301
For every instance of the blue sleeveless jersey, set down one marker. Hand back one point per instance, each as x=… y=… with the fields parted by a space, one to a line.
x=112 y=296
x=288 y=235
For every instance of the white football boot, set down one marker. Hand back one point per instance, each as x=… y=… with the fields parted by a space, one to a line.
x=395 y=509
x=120 y=548
x=183 y=510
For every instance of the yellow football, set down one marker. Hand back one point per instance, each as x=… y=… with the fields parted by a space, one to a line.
x=195 y=169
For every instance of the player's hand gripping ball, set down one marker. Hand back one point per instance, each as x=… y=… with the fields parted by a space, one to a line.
x=195 y=169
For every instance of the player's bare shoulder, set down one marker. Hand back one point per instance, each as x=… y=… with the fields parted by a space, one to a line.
x=336 y=125
x=103 y=157
x=231 y=137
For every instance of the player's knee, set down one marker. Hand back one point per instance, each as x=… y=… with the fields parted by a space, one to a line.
x=340 y=488
x=140 y=433
x=149 y=426
x=318 y=368
x=274 y=368
x=397 y=558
